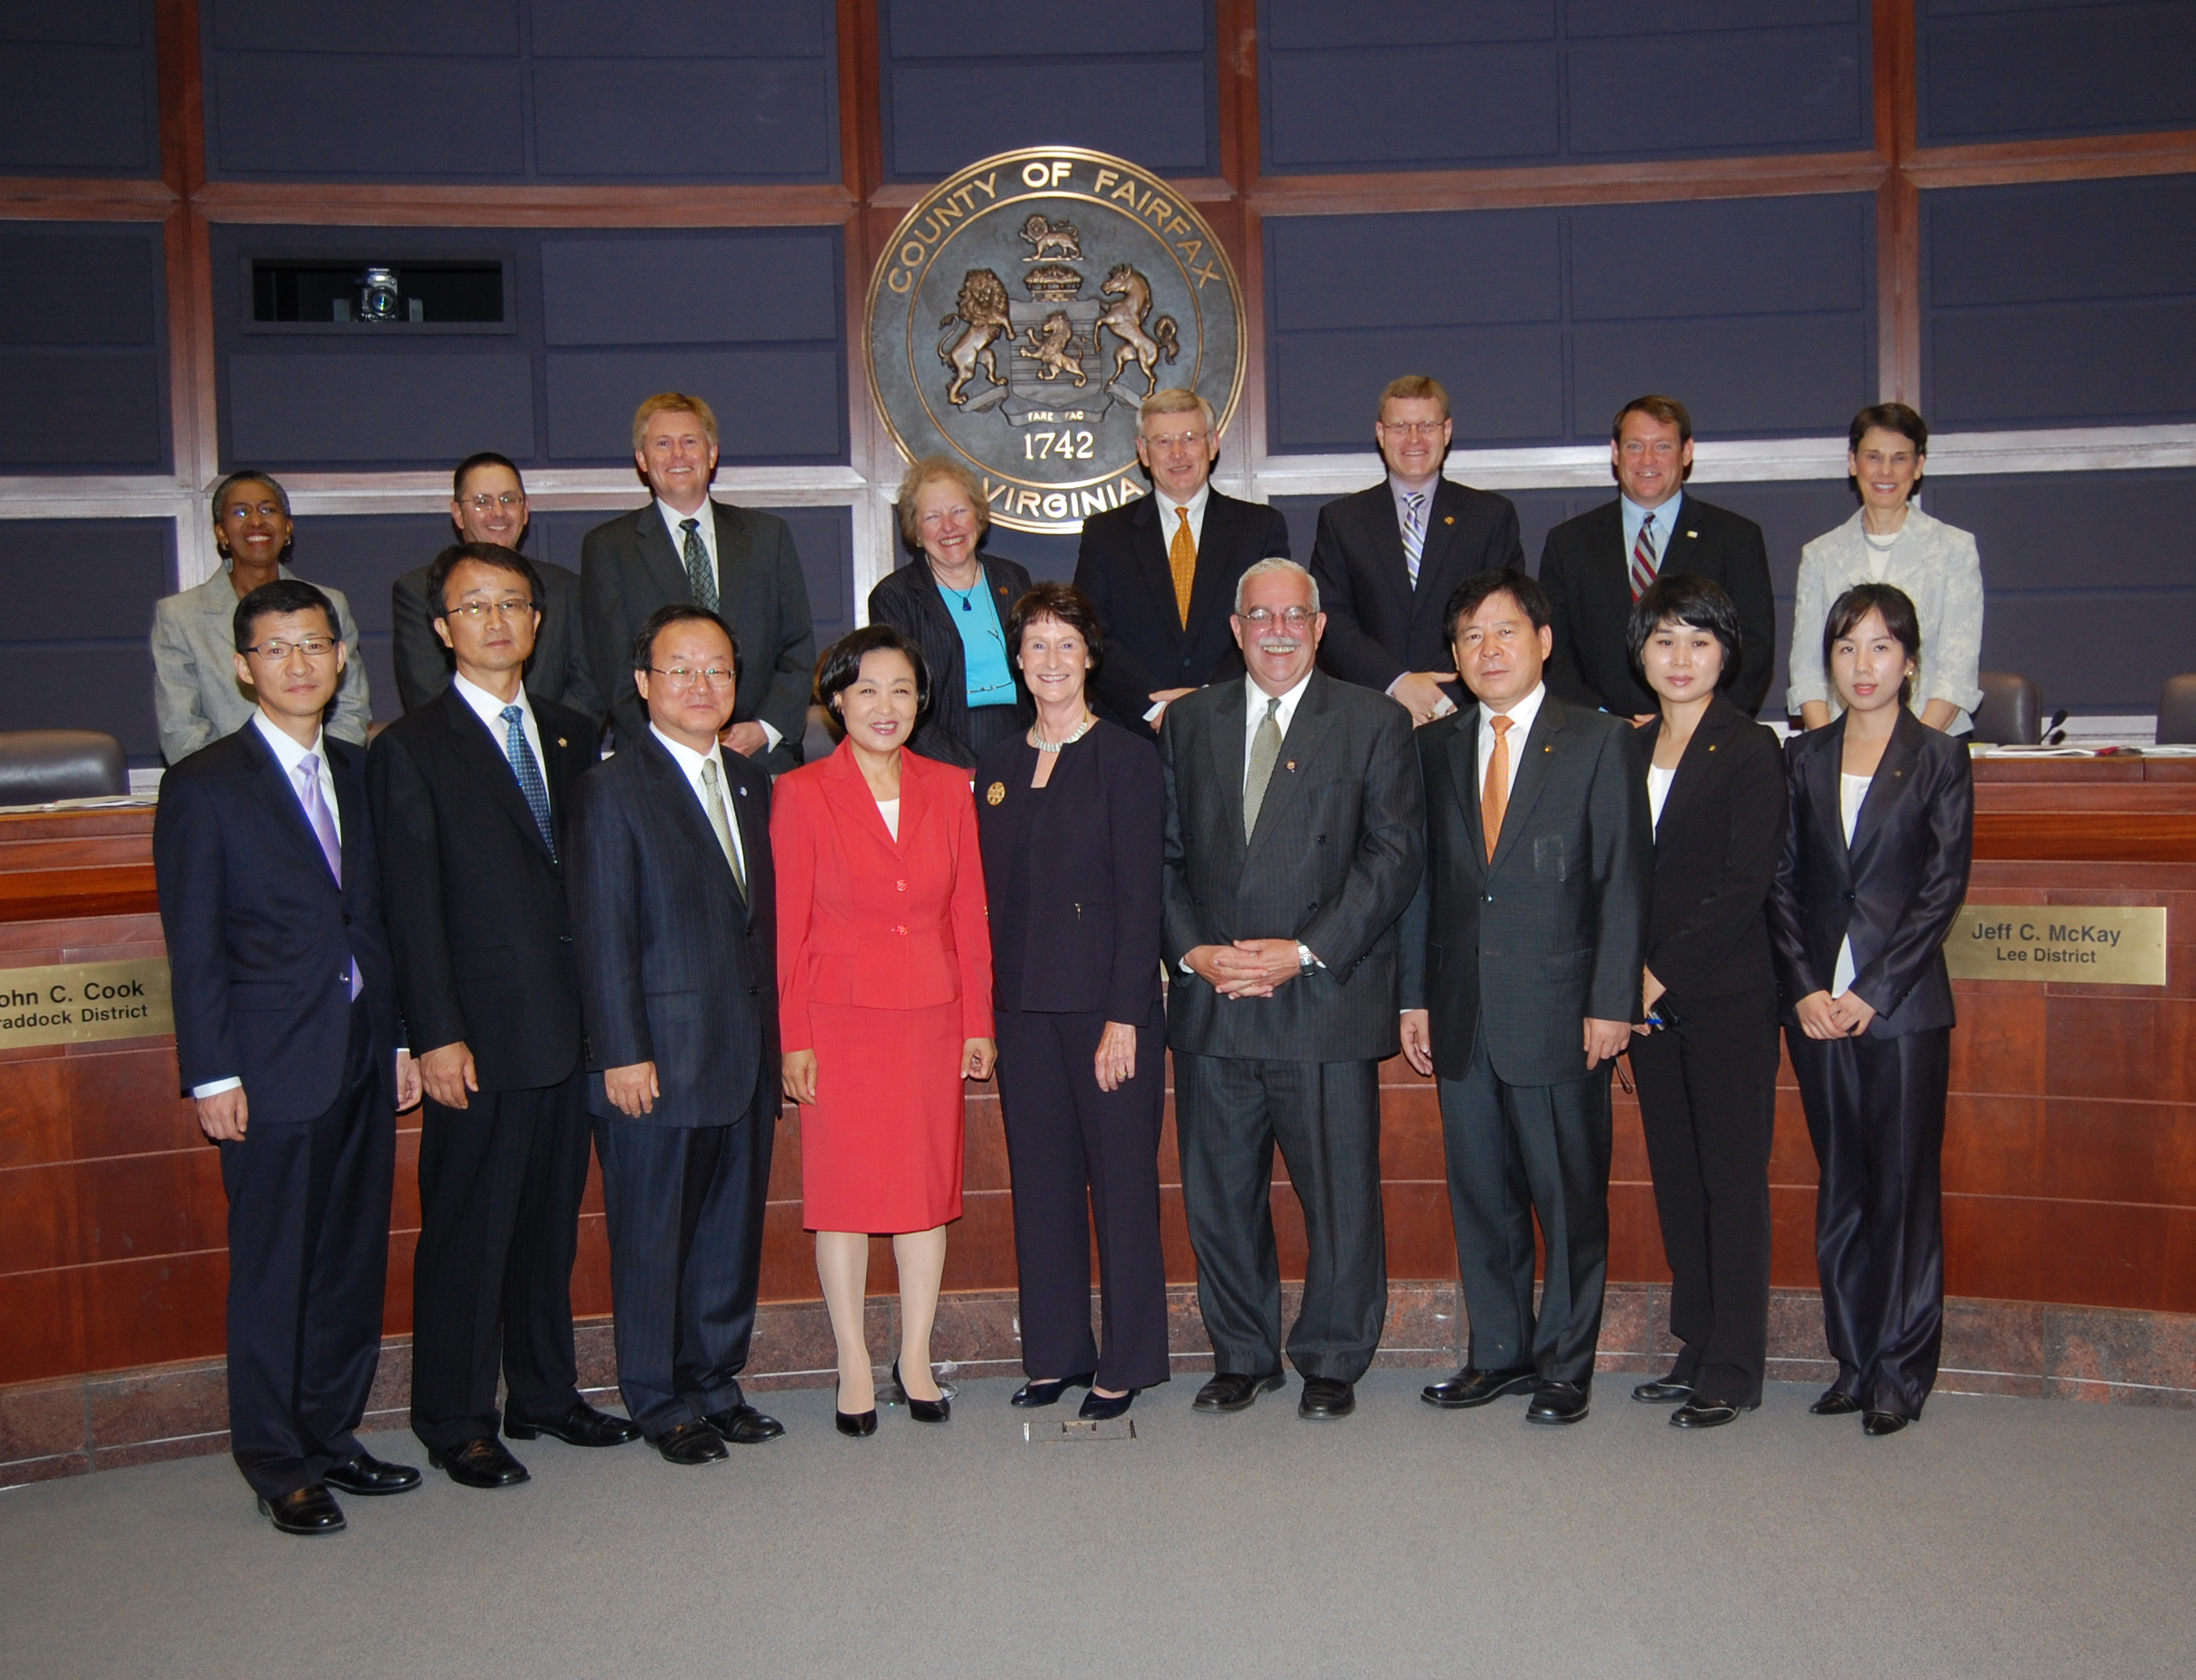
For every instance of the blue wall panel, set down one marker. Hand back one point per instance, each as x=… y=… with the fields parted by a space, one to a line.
x=780 y=407
x=337 y=410
x=84 y=381
x=2068 y=303
x=543 y=90
x=963 y=81
x=767 y=287
x=1758 y=313
x=74 y=647
x=79 y=89
x=1992 y=70
x=1421 y=85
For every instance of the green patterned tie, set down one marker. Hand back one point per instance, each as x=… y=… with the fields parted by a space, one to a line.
x=1265 y=747
x=699 y=573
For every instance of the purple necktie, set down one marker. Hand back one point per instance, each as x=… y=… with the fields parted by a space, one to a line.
x=324 y=830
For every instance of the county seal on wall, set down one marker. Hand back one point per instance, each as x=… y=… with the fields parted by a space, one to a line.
x=1024 y=310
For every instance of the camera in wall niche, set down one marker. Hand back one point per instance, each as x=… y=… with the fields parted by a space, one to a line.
x=379 y=299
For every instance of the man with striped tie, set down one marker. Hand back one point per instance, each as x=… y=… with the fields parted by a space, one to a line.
x=1594 y=567
x=1387 y=559
x=469 y=794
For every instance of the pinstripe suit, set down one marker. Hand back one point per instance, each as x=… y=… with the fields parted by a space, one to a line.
x=677 y=969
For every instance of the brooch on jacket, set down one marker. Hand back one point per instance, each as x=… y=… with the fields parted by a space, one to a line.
x=996 y=794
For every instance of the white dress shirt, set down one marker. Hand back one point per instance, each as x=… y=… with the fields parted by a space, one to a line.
x=705 y=527
x=1522 y=714
x=1196 y=505
x=1254 y=709
x=691 y=761
x=489 y=710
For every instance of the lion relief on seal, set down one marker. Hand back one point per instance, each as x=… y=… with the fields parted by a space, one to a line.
x=981 y=313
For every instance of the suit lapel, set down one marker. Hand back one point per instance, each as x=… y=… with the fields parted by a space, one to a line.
x=1542 y=741
x=1464 y=777
x=1823 y=788
x=731 y=554
x=1212 y=586
x=346 y=771
x=1148 y=540
x=270 y=786
x=489 y=764
x=845 y=787
x=676 y=793
x=1682 y=545
x=1435 y=557
x=1300 y=750
x=1225 y=754
x=666 y=568
x=1894 y=771
x=1695 y=765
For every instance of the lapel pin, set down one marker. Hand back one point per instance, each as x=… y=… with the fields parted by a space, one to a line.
x=1292 y=764
x=561 y=741
x=1693 y=534
x=1711 y=745
x=1448 y=519
x=1547 y=749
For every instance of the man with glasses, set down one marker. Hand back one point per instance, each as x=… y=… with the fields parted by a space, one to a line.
x=1387 y=559
x=1162 y=569
x=286 y=1034
x=471 y=795
x=488 y=505
x=674 y=906
x=1293 y=846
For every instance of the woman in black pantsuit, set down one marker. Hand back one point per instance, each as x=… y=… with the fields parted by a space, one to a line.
x=1072 y=816
x=1873 y=875
x=1706 y=1061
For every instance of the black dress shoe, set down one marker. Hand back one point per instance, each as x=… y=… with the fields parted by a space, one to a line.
x=309 y=1510
x=939 y=1410
x=1882 y=1422
x=693 y=1443
x=1232 y=1391
x=1834 y=1403
x=481 y=1462
x=743 y=1426
x=370 y=1475
x=581 y=1426
x=1558 y=1403
x=1098 y=1408
x=854 y=1424
x=1663 y=1391
x=1705 y=1414
x=1045 y=1391
x=1325 y=1398
x=1470 y=1387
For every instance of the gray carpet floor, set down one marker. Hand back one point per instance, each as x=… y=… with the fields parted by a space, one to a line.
x=1998 y=1537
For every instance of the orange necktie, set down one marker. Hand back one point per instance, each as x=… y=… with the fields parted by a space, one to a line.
x=1494 y=796
x=1181 y=561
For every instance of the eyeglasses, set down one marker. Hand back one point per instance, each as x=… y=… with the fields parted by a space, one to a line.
x=483 y=502
x=313 y=647
x=1296 y=618
x=240 y=511
x=1180 y=440
x=686 y=676
x=1414 y=427
x=512 y=607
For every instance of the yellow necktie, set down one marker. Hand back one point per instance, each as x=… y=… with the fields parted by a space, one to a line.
x=1495 y=797
x=1181 y=561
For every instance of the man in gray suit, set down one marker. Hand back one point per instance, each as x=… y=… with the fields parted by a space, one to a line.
x=688 y=549
x=1522 y=960
x=488 y=505
x=1293 y=846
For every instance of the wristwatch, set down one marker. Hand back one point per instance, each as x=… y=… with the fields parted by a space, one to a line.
x=1305 y=960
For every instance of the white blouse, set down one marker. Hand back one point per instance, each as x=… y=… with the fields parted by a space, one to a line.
x=1658 y=789
x=889 y=809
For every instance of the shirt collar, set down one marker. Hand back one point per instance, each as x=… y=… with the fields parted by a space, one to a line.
x=1195 y=505
x=287 y=752
x=1522 y=714
x=1256 y=698
x=687 y=760
x=489 y=708
x=672 y=519
x=1666 y=517
x=1398 y=489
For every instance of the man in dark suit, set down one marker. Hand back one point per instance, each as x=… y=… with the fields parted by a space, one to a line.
x=685 y=548
x=1387 y=559
x=286 y=1032
x=1522 y=959
x=1162 y=571
x=674 y=902
x=469 y=794
x=488 y=505
x=1594 y=567
x=1293 y=845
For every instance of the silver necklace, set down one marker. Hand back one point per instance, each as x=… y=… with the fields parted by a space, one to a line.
x=1037 y=740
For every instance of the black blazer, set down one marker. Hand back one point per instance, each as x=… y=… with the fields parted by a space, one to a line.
x=1587 y=577
x=909 y=601
x=675 y=968
x=1122 y=566
x=628 y=568
x=1551 y=932
x=1071 y=874
x=1896 y=892
x=1334 y=859
x=260 y=938
x=557 y=673
x=475 y=908
x=1377 y=626
x=1716 y=850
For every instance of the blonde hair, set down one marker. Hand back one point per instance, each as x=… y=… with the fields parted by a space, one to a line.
x=1415 y=388
x=672 y=402
x=1175 y=399
x=926 y=470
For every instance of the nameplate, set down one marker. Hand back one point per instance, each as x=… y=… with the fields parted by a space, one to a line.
x=2066 y=945
x=78 y=1001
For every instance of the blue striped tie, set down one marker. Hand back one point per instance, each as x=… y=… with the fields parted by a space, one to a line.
x=528 y=773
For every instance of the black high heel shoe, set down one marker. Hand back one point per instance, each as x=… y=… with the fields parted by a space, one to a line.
x=1045 y=1392
x=939 y=1410
x=854 y=1424
x=1098 y=1408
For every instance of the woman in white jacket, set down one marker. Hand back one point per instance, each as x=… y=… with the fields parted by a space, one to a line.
x=1890 y=540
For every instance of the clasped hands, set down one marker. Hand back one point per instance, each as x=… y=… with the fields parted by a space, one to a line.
x=1247 y=968
x=1603 y=1041
x=1845 y=1016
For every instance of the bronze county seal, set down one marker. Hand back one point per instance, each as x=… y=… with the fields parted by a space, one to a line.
x=1028 y=305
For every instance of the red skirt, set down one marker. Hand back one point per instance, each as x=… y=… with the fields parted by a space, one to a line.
x=881 y=1146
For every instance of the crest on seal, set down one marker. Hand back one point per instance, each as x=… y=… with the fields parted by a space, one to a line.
x=1024 y=310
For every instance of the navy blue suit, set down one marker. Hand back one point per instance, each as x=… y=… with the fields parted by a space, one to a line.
x=261 y=941
x=677 y=968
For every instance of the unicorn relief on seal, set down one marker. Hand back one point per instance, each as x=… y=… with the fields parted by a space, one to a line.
x=1124 y=319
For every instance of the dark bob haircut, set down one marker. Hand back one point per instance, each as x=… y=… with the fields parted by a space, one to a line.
x=1888 y=417
x=1061 y=601
x=678 y=612
x=272 y=600
x=841 y=667
x=1694 y=602
x=481 y=553
x=1473 y=592
x=1899 y=618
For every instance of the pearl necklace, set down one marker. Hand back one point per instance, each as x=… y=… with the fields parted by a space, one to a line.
x=1037 y=740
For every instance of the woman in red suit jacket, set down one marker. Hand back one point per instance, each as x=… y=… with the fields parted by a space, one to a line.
x=884 y=985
